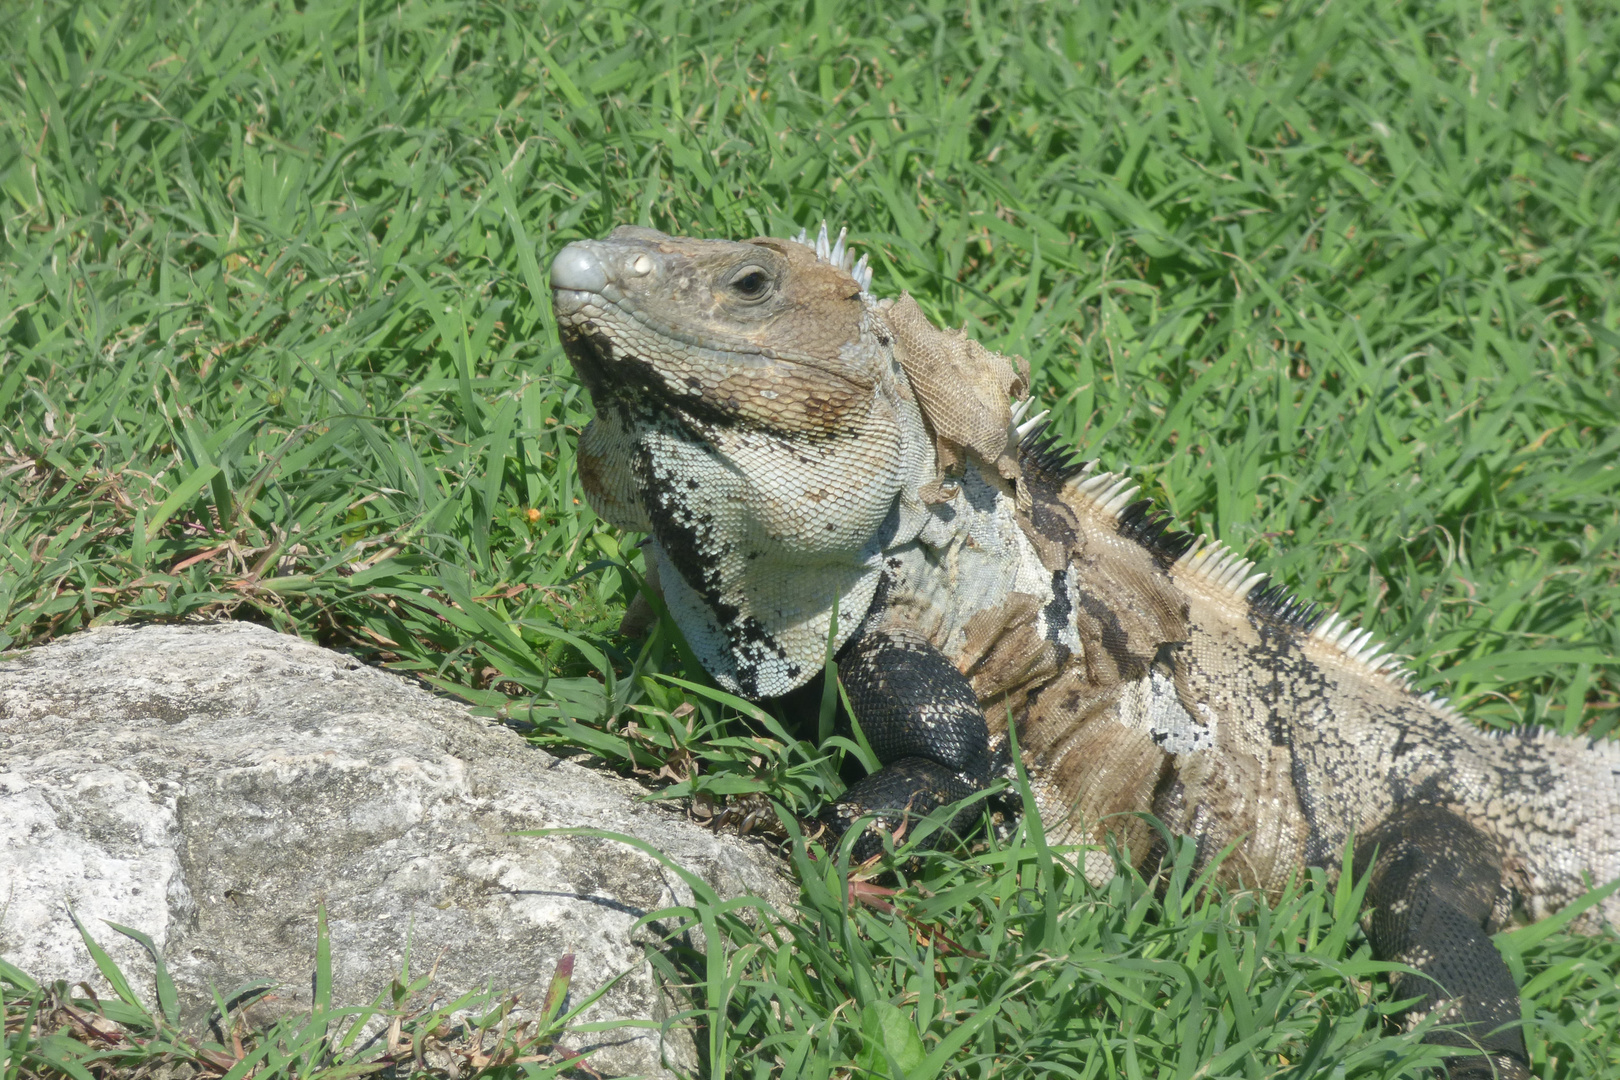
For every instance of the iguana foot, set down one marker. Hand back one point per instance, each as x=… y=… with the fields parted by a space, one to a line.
x=1434 y=886
x=924 y=723
x=1502 y=1066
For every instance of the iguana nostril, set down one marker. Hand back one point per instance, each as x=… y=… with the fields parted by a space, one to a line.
x=577 y=268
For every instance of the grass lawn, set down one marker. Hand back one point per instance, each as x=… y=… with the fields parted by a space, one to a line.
x=1337 y=280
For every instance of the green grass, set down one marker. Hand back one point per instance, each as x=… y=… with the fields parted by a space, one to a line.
x=1338 y=281
x=50 y=1031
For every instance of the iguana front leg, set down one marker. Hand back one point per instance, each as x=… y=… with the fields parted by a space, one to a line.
x=1435 y=881
x=921 y=718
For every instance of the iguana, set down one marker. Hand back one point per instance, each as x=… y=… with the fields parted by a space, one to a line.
x=815 y=465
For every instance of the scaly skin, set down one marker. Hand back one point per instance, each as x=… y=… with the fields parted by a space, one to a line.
x=797 y=448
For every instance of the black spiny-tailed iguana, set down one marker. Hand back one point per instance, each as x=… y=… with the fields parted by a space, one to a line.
x=794 y=446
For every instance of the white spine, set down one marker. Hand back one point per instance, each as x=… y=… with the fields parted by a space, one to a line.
x=834 y=253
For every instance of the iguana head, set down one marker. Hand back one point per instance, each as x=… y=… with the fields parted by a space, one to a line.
x=757 y=415
x=759 y=333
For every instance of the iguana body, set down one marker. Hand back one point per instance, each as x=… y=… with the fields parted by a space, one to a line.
x=796 y=448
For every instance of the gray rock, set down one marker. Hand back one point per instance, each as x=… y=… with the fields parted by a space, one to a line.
x=210 y=785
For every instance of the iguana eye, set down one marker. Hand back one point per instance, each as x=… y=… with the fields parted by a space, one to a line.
x=751 y=282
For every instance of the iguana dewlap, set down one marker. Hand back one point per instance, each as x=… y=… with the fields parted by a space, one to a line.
x=814 y=465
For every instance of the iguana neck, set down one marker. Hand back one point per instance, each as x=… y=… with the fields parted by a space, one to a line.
x=768 y=548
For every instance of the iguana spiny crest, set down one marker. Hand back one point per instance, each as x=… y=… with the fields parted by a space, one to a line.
x=798 y=449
